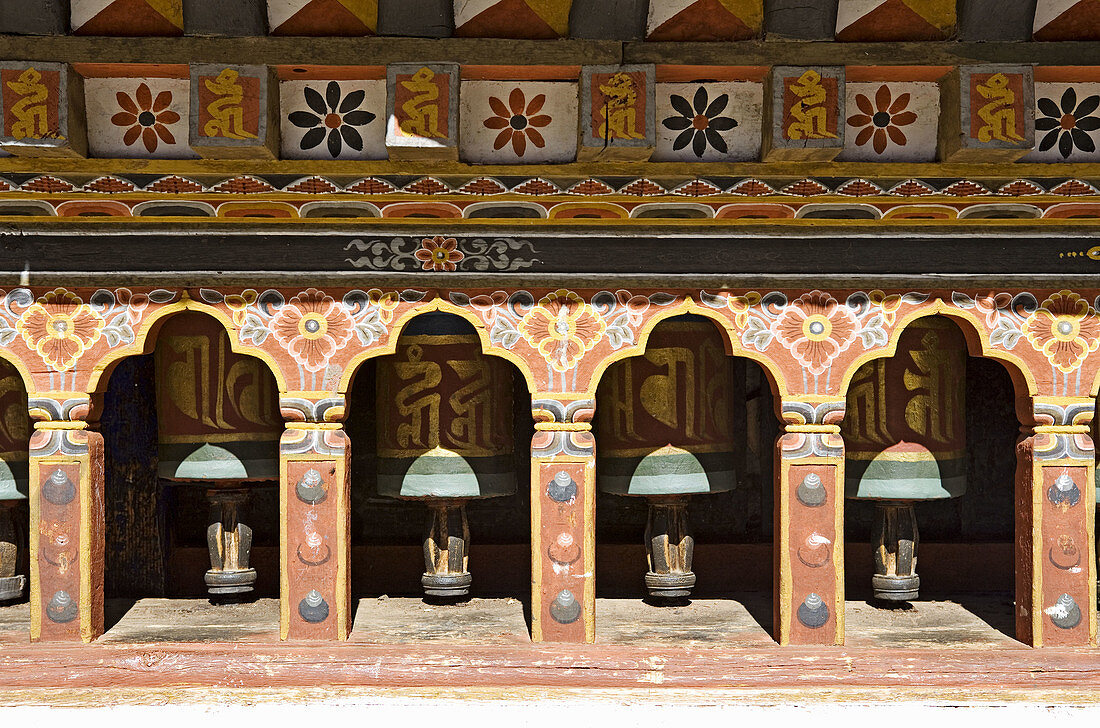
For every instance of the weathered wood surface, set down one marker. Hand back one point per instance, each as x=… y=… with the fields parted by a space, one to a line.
x=493 y=51
x=1007 y=673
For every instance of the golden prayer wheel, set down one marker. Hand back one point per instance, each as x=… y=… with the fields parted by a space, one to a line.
x=15 y=433
x=663 y=432
x=219 y=426
x=905 y=441
x=445 y=436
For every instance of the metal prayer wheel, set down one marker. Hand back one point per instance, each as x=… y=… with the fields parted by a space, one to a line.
x=445 y=436
x=905 y=440
x=217 y=416
x=663 y=430
x=15 y=431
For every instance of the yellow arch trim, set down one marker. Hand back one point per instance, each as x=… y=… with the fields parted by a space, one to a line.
x=967 y=321
x=144 y=344
x=443 y=306
x=725 y=324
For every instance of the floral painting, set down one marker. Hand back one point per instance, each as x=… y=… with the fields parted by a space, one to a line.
x=524 y=122
x=708 y=122
x=137 y=117
x=334 y=119
x=891 y=121
x=1067 y=122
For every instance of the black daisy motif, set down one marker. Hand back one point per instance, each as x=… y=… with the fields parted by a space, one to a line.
x=1068 y=123
x=334 y=119
x=699 y=122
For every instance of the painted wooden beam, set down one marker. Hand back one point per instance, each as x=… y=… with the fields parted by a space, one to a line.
x=41 y=110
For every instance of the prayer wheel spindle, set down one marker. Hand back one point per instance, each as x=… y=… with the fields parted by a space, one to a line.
x=218 y=425
x=905 y=440
x=663 y=432
x=445 y=437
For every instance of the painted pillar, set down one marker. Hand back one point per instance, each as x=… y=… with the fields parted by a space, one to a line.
x=1055 y=524
x=66 y=521
x=563 y=520
x=314 y=506
x=809 y=527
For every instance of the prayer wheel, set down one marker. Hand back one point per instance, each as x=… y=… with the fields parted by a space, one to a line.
x=15 y=431
x=905 y=440
x=663 y=432
x=219 y=427
x=445 y=437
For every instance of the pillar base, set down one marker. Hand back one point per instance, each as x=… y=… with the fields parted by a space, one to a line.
x=896 y=588
x=236 y=581
x=11 y=587
x=446 y=585
x=670 y=586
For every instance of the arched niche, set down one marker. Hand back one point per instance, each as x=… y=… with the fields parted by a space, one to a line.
x=185 y=424
x=405 y=389
x=15 y=432
x=930 y=431
x=681 y=416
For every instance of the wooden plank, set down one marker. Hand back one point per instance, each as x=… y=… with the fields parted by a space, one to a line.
x=274 y=50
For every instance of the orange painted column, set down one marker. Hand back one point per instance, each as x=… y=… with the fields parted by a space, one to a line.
x=809 y=525
x=1055 y=525
x=314 y=505
x=66 y=521
x=563 y=522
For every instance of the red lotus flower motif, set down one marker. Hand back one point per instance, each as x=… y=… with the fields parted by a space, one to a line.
x=146 y=117
x=816 y=329
x=1065 y=329
x=312 y=327
x=880 y=121
x=517 y=122
x=439 y=253
x=60 y=327
x=562 y=326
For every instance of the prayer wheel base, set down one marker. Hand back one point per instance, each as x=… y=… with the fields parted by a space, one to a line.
x=669 y=548
x=446 y=550
x=446 y=585
x=11 y=587
x=895 y=538
x=896 y=588
x=670 y=586
x=236 y=581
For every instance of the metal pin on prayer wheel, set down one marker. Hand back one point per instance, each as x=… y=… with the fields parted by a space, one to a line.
x=905 y=440
x=14 y=438
x=218 y=429
x=663 y=430
x=444 y=437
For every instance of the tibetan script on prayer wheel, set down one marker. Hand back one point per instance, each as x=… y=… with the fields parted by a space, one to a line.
x=444 y=415
x=663 y=417
x=905 y=427
x=217 y=411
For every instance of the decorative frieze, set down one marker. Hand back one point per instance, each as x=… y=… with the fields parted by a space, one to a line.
x=617 y=114
x=537 y=19
x=127 y=17
x=704 y=20
x=805 y=114
x=231 y=112
x=333 y=119
x=987 y=114
x=42 y=110
x=422 y=111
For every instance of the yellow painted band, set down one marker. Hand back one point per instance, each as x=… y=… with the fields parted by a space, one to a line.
x=564 y=426
x=314 y=425
x=52 y=425
x=813 y=428
x=1062 y=429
